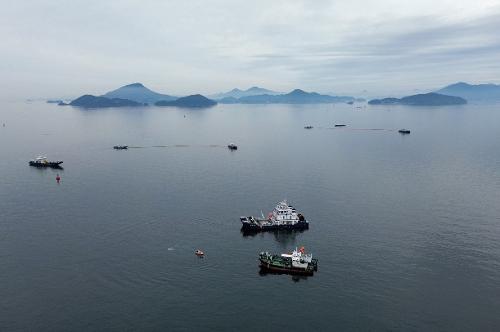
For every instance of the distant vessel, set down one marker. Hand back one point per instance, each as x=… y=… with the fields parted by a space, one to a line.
x=404 y=131
x=120 y=147
x=350 y=102
x=199 y=253
x=340 y=125
x=284 y=216
x=232 y=146
x=42 y=161
x=297 y=262
x=308 y=127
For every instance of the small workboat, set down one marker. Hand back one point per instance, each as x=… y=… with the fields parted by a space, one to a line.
x=42 y=161
x=340 y=125
x=404 y=131
x=120 y=147
x=199 y=253
x=308 y=127
x=232 y=146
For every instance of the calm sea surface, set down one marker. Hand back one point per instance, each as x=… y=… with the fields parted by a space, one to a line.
x=406 y=228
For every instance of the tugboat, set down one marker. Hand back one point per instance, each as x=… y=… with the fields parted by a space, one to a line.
x=297 y=262
x=404 y=131
x=42 y=161
x=120 y=147
x=232 y=146
x=283 y=217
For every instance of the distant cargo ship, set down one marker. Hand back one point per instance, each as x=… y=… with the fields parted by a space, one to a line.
x=284 y=216
x=297 y=262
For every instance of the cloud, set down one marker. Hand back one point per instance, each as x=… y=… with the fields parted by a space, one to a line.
x=182 y=47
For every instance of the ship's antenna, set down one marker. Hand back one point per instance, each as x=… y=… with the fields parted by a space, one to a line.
x=262 y=213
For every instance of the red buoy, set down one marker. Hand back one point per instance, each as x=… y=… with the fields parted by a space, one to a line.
x=58 y=178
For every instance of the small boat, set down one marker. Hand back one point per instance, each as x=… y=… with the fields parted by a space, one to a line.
x=340 y=125
x=296 y=262
x=199 y=253
x=232 y=146
x=42 y=161
x=404 y=131
x=120 y=147
x=350 y=102
x=308 y=127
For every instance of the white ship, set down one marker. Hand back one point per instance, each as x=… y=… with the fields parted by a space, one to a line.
x=284 y=216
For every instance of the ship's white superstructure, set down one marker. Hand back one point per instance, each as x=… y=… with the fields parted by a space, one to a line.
x=283 y=216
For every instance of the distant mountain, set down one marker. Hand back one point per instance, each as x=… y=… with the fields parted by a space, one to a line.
x=89 y=101
x=228 y=100
x=139 y=93
x=237 y=93
x=479 y=92
x=297 y=96
x=427 y=99
x=193 y=101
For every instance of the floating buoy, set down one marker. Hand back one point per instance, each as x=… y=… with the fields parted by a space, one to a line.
x=199 y=253
x=58 y=178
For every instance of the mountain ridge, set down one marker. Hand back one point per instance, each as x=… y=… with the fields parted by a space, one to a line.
x=238 y=93
x=473 y=92
x=296 y=96
x=137 y=92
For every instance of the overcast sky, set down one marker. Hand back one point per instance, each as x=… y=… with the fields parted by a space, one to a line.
x=386 y=47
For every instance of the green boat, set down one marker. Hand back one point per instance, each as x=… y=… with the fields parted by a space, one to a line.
x=297 y=262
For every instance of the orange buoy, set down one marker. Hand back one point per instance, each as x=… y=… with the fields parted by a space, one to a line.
x=199 y=253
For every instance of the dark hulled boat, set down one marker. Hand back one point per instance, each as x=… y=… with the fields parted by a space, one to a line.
x=43 y=162
x=297 y=262
x=120 y=147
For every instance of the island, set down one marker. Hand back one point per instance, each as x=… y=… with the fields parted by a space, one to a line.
x=193 y=101
x=90 y=101
x=425 y=99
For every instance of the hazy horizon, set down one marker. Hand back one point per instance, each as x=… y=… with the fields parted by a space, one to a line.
x=53 y=49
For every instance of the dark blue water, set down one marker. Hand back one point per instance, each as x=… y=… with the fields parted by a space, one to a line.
x=406 y=228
